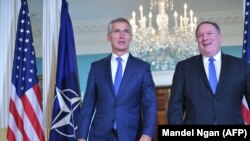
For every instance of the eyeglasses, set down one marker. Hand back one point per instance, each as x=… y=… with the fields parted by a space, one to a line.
x=118 y=32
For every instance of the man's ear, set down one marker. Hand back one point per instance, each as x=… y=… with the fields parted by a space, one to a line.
x=108 y=37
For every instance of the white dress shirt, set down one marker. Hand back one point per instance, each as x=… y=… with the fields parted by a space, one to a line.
x=217 y=64
x=114 y=64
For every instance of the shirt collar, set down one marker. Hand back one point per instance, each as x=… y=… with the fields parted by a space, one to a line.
x=217 y=57
x=124 y=57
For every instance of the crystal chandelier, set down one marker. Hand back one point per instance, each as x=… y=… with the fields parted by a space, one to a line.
x=162 y=44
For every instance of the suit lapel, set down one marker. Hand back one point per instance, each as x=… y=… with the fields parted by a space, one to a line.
x=198 y=63
x=224 y=73
x=128 y=72
x=107 y=73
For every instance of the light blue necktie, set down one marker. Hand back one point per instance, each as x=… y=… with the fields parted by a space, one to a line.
x=212 y=75
x=118 y=75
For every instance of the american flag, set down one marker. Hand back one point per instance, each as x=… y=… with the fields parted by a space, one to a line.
x=67 y=96
x=246 y=55
x=25 y=120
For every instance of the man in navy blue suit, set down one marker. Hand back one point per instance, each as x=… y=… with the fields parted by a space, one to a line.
x=128 y=114
x=194 y=99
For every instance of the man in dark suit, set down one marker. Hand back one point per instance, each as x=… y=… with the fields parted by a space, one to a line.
x=127 y=113
x=197 y=97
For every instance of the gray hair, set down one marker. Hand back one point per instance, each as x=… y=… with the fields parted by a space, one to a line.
x=120 y=19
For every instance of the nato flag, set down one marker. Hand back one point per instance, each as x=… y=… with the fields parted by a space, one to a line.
x=67 y=92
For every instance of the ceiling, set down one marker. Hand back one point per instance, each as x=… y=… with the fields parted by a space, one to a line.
x=99 y=9
x=90 y=18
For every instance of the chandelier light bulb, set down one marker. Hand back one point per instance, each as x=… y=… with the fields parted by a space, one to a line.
x=164 y=42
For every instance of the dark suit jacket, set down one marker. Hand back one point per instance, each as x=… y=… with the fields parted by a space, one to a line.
x=191 y=93
x=135 y=96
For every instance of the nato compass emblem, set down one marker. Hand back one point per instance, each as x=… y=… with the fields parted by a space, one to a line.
x=66 y=110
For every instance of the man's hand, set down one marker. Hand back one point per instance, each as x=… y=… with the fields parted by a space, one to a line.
x=145 y=138
x=81 y=140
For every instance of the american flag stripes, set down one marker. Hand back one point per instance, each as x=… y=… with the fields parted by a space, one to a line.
x=246 y=54
x=25 y=121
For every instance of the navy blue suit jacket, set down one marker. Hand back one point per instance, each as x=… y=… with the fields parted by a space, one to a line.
x=134 y=108
x=192 y=100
